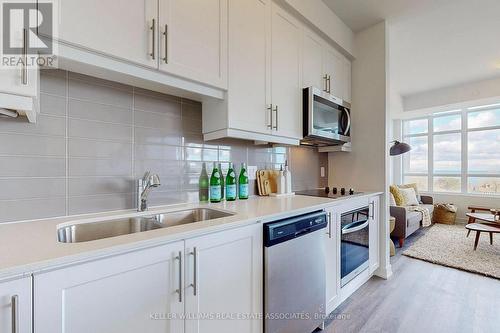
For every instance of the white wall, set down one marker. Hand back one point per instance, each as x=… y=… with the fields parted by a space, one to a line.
x=488 y=90
x=366 y=168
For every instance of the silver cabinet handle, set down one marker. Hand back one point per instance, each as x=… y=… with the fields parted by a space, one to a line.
x=153 y=39
x=372 y=213
x=194 y=253
x=179 y=257
x=270 y=108
x=165 y=34
x=325 y=77
x=329 y=233
x=24 y=69
x=15 y=313
x=276 y=123
x=346 y=231
x=329 y=84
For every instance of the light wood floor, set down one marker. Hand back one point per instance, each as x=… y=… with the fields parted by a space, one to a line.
x=423 y=298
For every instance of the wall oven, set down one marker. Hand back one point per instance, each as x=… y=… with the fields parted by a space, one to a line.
x=354 y=245
x=326 y=118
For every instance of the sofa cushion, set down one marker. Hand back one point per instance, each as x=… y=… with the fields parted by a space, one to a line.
x=413 y=218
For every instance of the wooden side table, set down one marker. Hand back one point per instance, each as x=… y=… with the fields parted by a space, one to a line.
x=392 y=225
x=482 y=227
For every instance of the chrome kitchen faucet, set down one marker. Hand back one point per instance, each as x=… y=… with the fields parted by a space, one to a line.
x=144 y=186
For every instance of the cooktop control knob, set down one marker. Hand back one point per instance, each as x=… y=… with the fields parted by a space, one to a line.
x=342 y=191
x=334 y=190
x=351 y=191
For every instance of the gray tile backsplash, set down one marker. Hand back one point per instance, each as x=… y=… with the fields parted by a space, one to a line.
x=94 y=137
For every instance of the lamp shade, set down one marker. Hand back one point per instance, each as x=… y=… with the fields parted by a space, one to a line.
x=399 y=148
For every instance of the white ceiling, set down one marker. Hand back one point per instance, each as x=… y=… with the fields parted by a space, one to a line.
x=433 y=43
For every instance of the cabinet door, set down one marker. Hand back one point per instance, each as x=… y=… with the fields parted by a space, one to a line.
x=374 y=234
x=129 y=293
x=312 y=61
x=224 y=277
x=118 y=28
x=11 y=77
x=15 y=301
x=286 y=73
x=334 y=67
x=347 y=80
x=193 y=39
x=249 y=65
x=332 y=260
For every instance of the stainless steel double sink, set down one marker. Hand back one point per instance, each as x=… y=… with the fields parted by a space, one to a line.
x=85 y=232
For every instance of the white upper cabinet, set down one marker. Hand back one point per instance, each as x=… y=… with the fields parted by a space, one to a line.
x=286 y=73
x=249 y=66
x=347 y=80
x=193 y=39
x=334 y=68
x=15 y=306
x=259 y=77
x=324 y=67
x=224 y=276
x=121 y=294
x=125 y=29
x=19 y=83
x=312 y=61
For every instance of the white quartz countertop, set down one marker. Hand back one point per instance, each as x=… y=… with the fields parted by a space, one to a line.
x=31 y=246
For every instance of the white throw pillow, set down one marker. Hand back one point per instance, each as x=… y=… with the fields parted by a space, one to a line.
x=410 y=196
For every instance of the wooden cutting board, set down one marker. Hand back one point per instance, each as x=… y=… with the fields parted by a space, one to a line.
x=267 y=181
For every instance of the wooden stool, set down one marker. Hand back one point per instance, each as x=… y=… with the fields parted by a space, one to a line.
x=482 y=227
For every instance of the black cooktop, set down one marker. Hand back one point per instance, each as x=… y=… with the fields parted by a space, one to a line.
x=326 y=192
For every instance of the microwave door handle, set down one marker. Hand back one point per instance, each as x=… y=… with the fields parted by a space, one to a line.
x=346 y=230
x=348 y=127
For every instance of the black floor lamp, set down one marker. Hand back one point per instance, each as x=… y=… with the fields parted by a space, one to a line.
x=399 y=148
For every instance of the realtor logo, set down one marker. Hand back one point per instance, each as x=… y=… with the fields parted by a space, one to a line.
x=23 y=24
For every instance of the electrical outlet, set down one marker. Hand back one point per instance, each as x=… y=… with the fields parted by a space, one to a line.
x=252 y=172
x=322 y=172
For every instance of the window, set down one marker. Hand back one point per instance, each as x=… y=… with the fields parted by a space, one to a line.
x=455 y=152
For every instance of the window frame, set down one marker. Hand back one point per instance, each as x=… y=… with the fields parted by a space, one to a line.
x=464 y=132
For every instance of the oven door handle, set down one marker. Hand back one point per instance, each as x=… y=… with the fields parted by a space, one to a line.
x=350 y=228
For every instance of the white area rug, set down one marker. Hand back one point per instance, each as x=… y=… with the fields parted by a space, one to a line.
x=447 y=245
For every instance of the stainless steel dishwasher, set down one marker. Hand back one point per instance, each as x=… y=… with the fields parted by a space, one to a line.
x=294 y=274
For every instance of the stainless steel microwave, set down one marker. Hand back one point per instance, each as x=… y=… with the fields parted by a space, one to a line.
x=327 y=119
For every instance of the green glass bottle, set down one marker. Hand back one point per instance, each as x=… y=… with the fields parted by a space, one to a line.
x=243 y=183
x=231 y=184
x=215 y=193
x=221 y=182
x=203 y=184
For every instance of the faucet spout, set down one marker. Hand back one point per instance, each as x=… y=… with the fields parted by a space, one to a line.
x=144 y=187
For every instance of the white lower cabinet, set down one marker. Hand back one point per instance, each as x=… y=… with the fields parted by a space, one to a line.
x=224 y=281
x=335 y=293
x=374 y=254
x=332 y=260
x=205 y=284
x=15 y=306
x=133 y=292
